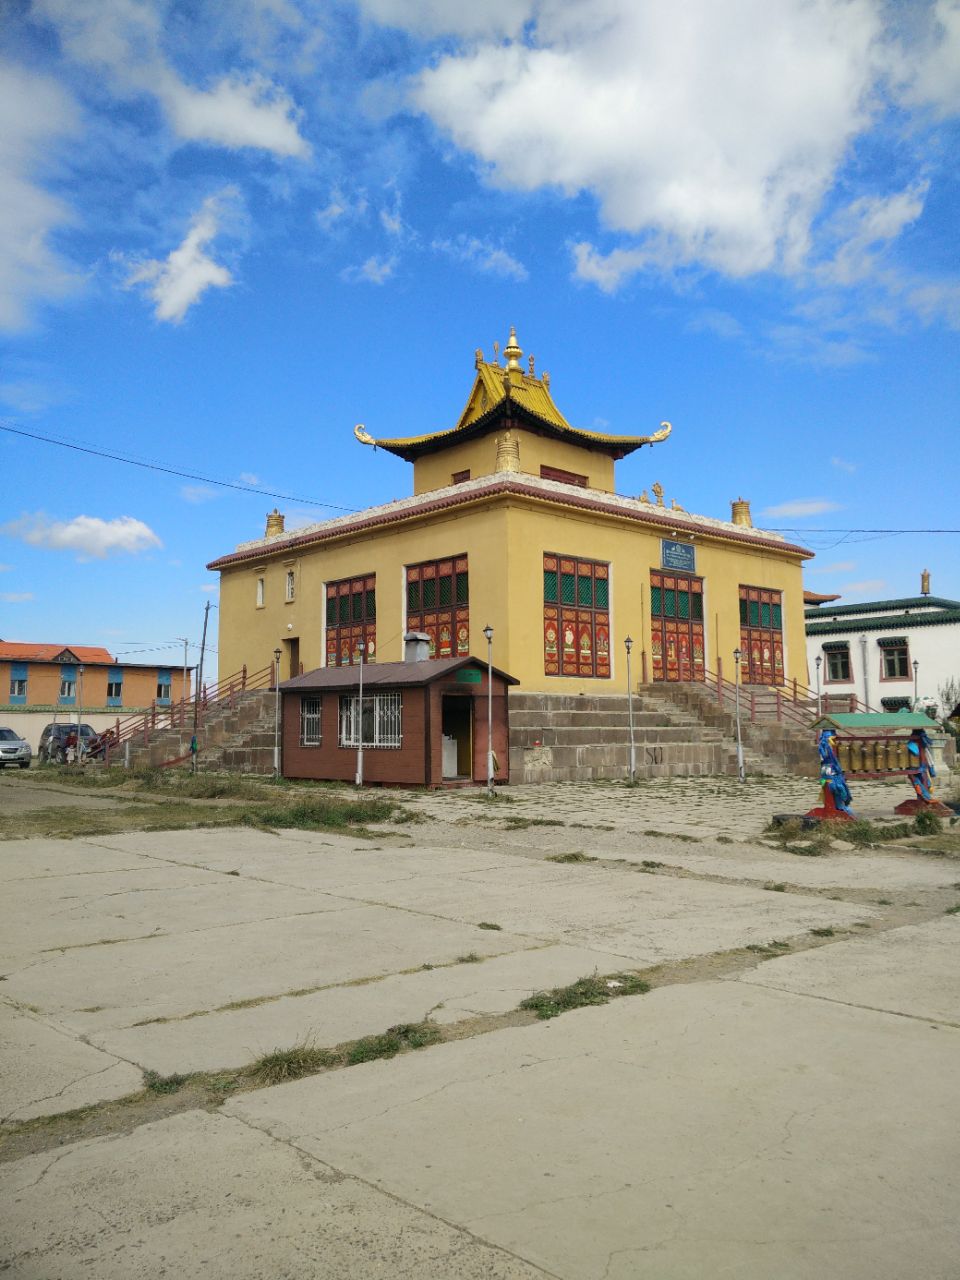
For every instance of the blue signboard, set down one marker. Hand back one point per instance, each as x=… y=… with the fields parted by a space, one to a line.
x=679 y=556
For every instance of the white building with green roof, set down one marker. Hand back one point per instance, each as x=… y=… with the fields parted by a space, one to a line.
x=890 y=654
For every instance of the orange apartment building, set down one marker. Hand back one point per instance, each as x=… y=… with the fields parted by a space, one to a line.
x=40 y=683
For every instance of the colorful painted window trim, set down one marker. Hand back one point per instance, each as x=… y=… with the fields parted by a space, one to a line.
x=576 y=617
x=676 y=626
x=351 y=617
x=310 y=722
x=761 y=635
x=438 y=604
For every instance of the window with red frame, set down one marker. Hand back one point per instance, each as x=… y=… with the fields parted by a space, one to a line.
x=576 y=617
x=351 y=617
x=438 y=604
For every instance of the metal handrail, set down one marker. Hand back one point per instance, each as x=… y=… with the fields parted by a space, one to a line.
x=186 y=712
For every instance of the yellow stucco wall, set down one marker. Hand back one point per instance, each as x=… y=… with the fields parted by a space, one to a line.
x=479 y=457
x=504 y=538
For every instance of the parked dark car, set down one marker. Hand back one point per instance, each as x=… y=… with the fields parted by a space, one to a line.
x=14 y=749
x=57 y=739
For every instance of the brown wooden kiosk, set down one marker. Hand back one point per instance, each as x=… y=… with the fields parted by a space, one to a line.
x=424 y=723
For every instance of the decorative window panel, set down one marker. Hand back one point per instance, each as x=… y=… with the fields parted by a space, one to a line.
x=438 y=604
x=761 y=636
x=379 y=723
x=676 y=626
x=576 y=619
x=310 y=722
x=351 y=619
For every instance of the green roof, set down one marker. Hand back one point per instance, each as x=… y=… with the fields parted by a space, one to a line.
x=876 y=720
x=870 y=606
x=834 y=626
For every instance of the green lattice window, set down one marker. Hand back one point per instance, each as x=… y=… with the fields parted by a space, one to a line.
x=429 y=593
x=585 y=590
x=438 y=593
x=446 y=591
x=351 y=612
x=550 y=586
x=656 y=602
x=576 y=622
x=683 y=604
x=777 y=612
x=413 y=597
x=568 y=588
x=463 y=588
x=602 y=593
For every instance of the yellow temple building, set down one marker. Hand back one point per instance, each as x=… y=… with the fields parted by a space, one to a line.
x=515 y=523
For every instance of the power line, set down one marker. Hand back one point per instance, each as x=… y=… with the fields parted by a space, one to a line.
x=334 y=506
x=172 y=471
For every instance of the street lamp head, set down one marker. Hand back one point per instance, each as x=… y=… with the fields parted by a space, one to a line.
x=277 y=653
x=916 y=665
x=361 y=647
x=737 y=655
x=818 y=661
x=628 y=643
x=488 y=632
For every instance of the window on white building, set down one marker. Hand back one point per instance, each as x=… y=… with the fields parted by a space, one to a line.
x=896 y=659
x=838 y=663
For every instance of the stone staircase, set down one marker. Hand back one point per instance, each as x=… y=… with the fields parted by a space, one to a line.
x=678 y=732
x=769 y=746
x=237 y=735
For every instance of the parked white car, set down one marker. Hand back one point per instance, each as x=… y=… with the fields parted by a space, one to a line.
x=14 y=749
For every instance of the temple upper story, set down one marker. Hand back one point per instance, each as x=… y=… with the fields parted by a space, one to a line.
x=511 y=423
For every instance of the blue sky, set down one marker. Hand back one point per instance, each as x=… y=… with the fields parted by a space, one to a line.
x=232 y=232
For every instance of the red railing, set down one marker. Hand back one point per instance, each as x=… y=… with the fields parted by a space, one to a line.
x=187 y=713
x=792 y=703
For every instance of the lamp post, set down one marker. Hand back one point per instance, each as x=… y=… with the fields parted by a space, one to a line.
x=818 y=663
x=276 y=715
x=628 y=645
x=916 y=668
x=79 y=748
x=741 y=771
x=361 y=647
x=488 y=632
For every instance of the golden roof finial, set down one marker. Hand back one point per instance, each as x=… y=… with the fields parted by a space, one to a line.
x=478 y=358
x=496 y=353
x=512 y=350
x=274 y=524
x=531 y=364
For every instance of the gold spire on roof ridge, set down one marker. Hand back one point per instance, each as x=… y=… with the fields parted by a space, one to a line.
x=512 y=350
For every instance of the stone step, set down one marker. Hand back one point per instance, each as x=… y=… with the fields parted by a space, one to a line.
x=550 y=718
x=601 y=737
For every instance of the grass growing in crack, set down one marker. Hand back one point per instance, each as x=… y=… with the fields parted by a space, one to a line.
x=470 y=958
x=321 y=812
x=514 y=823
x=772 y=948
x=928 y=824
x=157 y=1083
x=488 y=924
x=649 y=864
x=954 y=910
x=408 y=1035
x=672 y=835
x=776 y=888
x=290 y=1064
x=825 y=932
x=569 y=857
x=585 y=991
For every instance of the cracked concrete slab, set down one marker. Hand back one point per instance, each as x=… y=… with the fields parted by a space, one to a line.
x=890 y=870
x=172 y=976
x=914 y=971
x=60 y=913
x=235 y=1037
x=714 y=1129
x=205 y=1197
x=33 y=859
x=641 y=918
x=46 y=1071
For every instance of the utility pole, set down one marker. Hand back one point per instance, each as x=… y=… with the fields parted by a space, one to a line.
x=183 y=686
x=196 y=700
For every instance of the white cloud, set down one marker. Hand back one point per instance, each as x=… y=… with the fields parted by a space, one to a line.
x=89 y=536
x=247 y=477
x=842 y=465
x=29 y=396
x=712 y=131
x=839 y=566
x=34 y=112
x=483 y=255
x=340 y=209
x=869 y=587
x=5 y=568
x=435 y=17
x=15 y=597
x=197 y=493
x=865 y=228
x=210 y=587
x=721 y=323
x=177 y=282
x=374 y=271
x=607 y=271
x=802 y=507
x=930 y=72
x=121 y=39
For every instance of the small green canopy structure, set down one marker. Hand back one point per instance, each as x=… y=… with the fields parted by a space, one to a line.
x=876 y=721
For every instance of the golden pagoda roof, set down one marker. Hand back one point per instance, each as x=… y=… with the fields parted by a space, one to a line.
x=497 y=388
